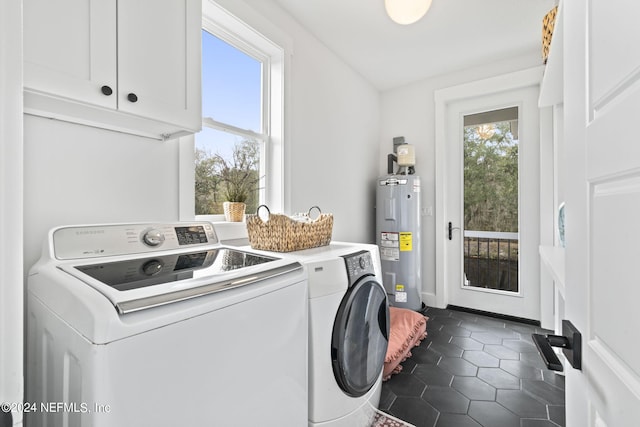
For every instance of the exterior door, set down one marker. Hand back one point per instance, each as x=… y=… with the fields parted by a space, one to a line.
x=469 y=260
x=360 y=337
x=602 y=158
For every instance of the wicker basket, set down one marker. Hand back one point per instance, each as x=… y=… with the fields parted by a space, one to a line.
x=548 y=23
x=280 y=233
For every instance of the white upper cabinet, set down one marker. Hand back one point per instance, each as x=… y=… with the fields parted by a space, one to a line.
x=131 y=66
x=159 y=59
x=70 y=49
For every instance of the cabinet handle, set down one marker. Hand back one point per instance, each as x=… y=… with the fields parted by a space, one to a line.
x=132 y=97
x=106 y=90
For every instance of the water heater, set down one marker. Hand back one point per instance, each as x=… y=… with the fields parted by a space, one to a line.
x=398 y=237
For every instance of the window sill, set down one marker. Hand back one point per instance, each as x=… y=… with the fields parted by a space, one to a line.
x=225 y=230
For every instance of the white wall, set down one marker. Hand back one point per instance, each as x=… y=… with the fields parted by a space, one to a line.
x=409 y=111
x=11 y=289
x=334 y=148
x=81 y=175
x=333 y=130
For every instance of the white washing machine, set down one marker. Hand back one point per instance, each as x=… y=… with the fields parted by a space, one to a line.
x=348 y=333
x=159 y=325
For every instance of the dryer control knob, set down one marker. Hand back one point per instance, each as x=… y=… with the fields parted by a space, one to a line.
x=363 y=263
x=153 y=237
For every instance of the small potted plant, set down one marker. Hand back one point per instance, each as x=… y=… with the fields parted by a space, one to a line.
x=240 y=178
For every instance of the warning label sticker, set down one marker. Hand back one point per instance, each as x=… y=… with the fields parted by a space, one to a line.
x=406 y=241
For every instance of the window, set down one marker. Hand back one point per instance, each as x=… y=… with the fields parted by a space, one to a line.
x=231 y=147
x=240 y=147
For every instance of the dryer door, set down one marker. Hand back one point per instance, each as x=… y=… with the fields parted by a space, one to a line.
x=360 y=337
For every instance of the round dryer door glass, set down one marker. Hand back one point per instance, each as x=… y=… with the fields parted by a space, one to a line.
x=360 y=337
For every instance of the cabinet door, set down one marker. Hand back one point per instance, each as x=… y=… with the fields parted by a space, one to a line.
x=159 y=60
x=70 y=49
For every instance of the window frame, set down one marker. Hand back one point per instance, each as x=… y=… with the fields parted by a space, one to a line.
x=274 y=57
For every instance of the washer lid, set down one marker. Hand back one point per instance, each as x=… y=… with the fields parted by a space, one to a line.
x=137 y=283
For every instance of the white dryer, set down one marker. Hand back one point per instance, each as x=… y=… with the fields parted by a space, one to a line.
x=348 y=333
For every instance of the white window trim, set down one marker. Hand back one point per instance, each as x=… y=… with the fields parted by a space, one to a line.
x=225 y=25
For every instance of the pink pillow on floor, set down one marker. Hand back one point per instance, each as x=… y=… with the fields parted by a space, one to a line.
x=407 y=328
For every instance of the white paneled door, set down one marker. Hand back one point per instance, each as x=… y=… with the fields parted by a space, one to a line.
x=460 y=283
x=602 y=106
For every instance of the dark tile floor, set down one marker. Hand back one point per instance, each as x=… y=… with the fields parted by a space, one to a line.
x=475 y=371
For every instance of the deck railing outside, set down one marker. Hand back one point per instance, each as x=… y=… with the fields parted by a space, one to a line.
x=491 y=260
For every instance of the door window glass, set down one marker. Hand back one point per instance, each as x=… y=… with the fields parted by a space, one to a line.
x=491 y=200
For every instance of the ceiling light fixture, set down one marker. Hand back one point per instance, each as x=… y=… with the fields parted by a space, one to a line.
x=486 y=131
x=406 y=12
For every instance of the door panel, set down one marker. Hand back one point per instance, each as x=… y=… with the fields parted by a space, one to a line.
x=602 y=163
x=614 y=201
x=612 y=68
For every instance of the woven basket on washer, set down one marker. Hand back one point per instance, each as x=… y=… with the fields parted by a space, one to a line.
x=280 y=233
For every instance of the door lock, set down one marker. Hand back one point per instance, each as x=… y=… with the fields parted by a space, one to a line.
x=570 y=341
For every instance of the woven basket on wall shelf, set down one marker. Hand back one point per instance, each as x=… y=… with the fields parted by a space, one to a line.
x=548 y=23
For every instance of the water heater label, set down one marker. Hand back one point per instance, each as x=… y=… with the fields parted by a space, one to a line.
x=389 y=246
x=389 y=254
x=389 y=239
x=401 y=297
x=406 y=241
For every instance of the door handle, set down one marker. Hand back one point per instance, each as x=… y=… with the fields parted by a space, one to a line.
x=570 y=341
x=450 y=230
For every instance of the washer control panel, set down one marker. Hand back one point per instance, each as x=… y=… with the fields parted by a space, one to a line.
x=359 y=264
x=94 y=241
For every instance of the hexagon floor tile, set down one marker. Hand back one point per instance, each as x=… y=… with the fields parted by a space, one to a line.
x=475 y=371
